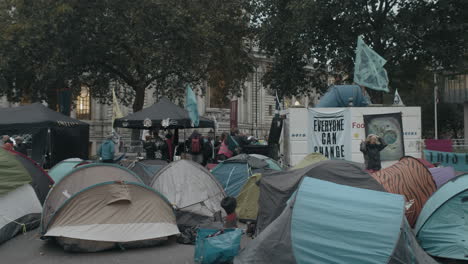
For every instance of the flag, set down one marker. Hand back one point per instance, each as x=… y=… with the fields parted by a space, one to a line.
x=397 y=99
x=191 y=106
x=116 y=112
x=368 y=68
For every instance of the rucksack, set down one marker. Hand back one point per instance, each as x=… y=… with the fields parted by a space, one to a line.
x=195 y=145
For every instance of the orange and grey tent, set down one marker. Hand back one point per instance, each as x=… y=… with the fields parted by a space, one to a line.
x=410 y=178
x=101 y=206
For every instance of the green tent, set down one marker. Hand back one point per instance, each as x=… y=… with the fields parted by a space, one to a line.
x=247 y=200
x=309 y=160
x=63 y=168
x=12 y=173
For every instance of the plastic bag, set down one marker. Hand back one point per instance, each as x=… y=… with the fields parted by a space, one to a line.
x=222 y=247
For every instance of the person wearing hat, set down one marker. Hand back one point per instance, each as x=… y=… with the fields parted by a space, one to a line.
x=20 y=146
x=106 y=150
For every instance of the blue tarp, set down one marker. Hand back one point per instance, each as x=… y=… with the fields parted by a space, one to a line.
x=442 y=226
x=341 y=95
x=334 y=223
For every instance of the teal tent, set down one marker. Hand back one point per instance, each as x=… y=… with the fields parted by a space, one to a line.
x=234 y=172
x=330 y=223
x=442 y=226
x=64 y=167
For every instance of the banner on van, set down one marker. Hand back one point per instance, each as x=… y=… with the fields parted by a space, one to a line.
x=329 y=133
x=390 y=128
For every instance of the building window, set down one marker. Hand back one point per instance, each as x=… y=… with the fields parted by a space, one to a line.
x=218 y=96
x=270 y=110
x=83 y=104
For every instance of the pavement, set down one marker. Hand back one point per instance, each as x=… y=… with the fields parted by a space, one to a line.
x=29 y=249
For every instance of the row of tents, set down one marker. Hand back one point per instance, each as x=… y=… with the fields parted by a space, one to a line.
x=94 y=206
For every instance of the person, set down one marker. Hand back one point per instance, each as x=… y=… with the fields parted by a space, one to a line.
x=229 y=205
x=106 y=150
x=196 y=147
x=207 y=150
x=224 y=152
x=371 y=148
x=7 y=143
x=21 y=147
x=150 y=148
x=170 y=146
x=160 y=147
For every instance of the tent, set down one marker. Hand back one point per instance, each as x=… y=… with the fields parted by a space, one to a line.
x=330 y=223
x=234 y=172
x=308 y=160
x=426 y=163
x=442 y=175
x=79 y=179
x=118 y=214
x=20 y=208
x=50 y=133
x=62 y=168
x=38 y=178
x=192 y=189
x=120 y=210
x=410 y=178
x=276 y=188
x=146 y=169
x=342 y=95
x=247 y=200
x=153 y=116
x=442 y=227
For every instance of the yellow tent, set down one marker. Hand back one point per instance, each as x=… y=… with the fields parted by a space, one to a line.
x=247 y=200
x=309 y=160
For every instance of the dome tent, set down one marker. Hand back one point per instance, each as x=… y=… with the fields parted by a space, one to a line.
x=22 y=184
x=308 y=160
x=234 y=172
x=410 y=178
x=145 y=169
x=276 y=188
x=329 y=223
x=192 y=189
x=120 y=210
x=62 y=168
x=442 y=228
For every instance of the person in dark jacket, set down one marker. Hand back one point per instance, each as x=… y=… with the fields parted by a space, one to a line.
x=21 y=147
x=150 y=148
x=371 y=148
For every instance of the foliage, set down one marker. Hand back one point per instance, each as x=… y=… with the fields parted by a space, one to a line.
x=408 y=33
x=159 y=44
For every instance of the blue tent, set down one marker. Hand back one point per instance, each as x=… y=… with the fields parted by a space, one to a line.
x=330 y=223
x=234 y=172
x=342 y=95
x=63 y=168
x=442 y=226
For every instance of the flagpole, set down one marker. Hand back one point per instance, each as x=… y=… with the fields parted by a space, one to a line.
x=436 y=136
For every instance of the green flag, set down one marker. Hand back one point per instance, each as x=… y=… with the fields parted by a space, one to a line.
x=191 y=106
x=368 y=68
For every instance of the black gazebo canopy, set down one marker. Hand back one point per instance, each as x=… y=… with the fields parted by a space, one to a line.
x=152 y=117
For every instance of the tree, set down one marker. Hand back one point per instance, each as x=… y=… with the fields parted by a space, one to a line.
x=130 y=46
x=408 y=33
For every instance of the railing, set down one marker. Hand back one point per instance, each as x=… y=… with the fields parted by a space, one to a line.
x=459 y=145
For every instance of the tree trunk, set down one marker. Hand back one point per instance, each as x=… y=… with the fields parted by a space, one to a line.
x=137 y=106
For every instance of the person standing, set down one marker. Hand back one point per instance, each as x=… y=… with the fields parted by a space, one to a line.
x=107 y=149
x=170 y=146
x=21 y=147
x=371 y=148
x=150 y=148
x=7 y=143
x=224 y=152
x=195 y=143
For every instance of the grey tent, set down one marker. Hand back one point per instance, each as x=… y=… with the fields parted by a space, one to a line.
x=99 y=206
x=192 y=189
x=330 y=223
x=146 y=169
x=277 y=187
x=152 y=117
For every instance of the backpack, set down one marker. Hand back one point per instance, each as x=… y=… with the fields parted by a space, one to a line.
x=195 y=146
